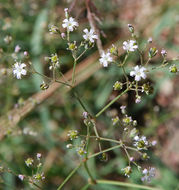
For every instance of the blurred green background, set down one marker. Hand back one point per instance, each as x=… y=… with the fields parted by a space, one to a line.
x=45 y=128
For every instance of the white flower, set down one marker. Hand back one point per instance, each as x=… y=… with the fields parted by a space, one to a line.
x=70 y=24
x=17 y=49
x=85 y=115
x=123 y=109
x=141 y=142
x=148 y=174
x=164 y=52
x=19 y=70
x=130 y=45
x=139 y=72
x=21 y=177
x=89 y=35
x=39 y=155
x=138 y=99
x=105 y=59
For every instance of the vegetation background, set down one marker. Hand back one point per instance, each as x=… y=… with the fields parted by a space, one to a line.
x=43 y=127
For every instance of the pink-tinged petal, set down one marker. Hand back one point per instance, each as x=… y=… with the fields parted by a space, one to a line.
x=23 y=72
x=132 y=73
x=14 y=72
x=85 y=30
x=136 y=68
x=22 y=65
x=125 y=43
x=105 y=64
x=18 y=75
x=143 y=75
x=137 y=78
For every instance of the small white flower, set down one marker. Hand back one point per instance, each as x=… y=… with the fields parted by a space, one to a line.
x=85 y=115
x=17 y=49
x=105 y=59
x=130 y=45
x=164 y=52
x=148 y=174
x=123 y=109
x=154 y=143
x=70 y=24
x=89 y=35
x=138 y=99
x=139 y=72
x=19 y=70
x=141 y=142
x=39 y=155
x=150 y=40
x=21 y=177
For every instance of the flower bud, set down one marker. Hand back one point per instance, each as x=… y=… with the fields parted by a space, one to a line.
x=152 y=52
x=44 y=86
x=131 y=28
x=173 y=69
x=117 y=85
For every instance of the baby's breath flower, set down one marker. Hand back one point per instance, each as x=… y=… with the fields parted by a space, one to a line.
x=117 y=85
x=127 y=171
x=115 y=120
x=70 y=24
x=54 y=60
x=21 y=177
x=85 y=115
x=53 y=29
x=148 y=174
x=81 y=151
x=139 y=73
x=150 y=40
x=69 y=146
x=89 y=35
x=17 y=49
x=8 y=39
x=44 y=86
x=173 y=69
x=39 y=156
x=141 y=142
x=127 y=120
x=105 y=59
x=29 y=162
x=145 y=156
x=63 y=35
x=72 y=46
x=130 y=45
x=152 y=52
x=113 y=50
x=131 y=28
x=147 y=88
x=123 y=109
x=39 y=176
x=19 y=70
x=154 y=142
x=138 y=99
x=73 y=134
x=164 y=52
x=26 y=54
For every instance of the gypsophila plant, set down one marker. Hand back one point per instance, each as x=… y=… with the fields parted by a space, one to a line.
x=136 y=80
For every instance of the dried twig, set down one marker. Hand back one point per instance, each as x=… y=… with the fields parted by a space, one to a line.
x=93 y=25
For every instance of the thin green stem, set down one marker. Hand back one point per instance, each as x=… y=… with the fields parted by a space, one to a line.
x=110 y=103
x=103 y=151
x=93 y=181
x=69 y=176
x=81 y=54
x=85 y=187
x=124 y=184
x=73 y=74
